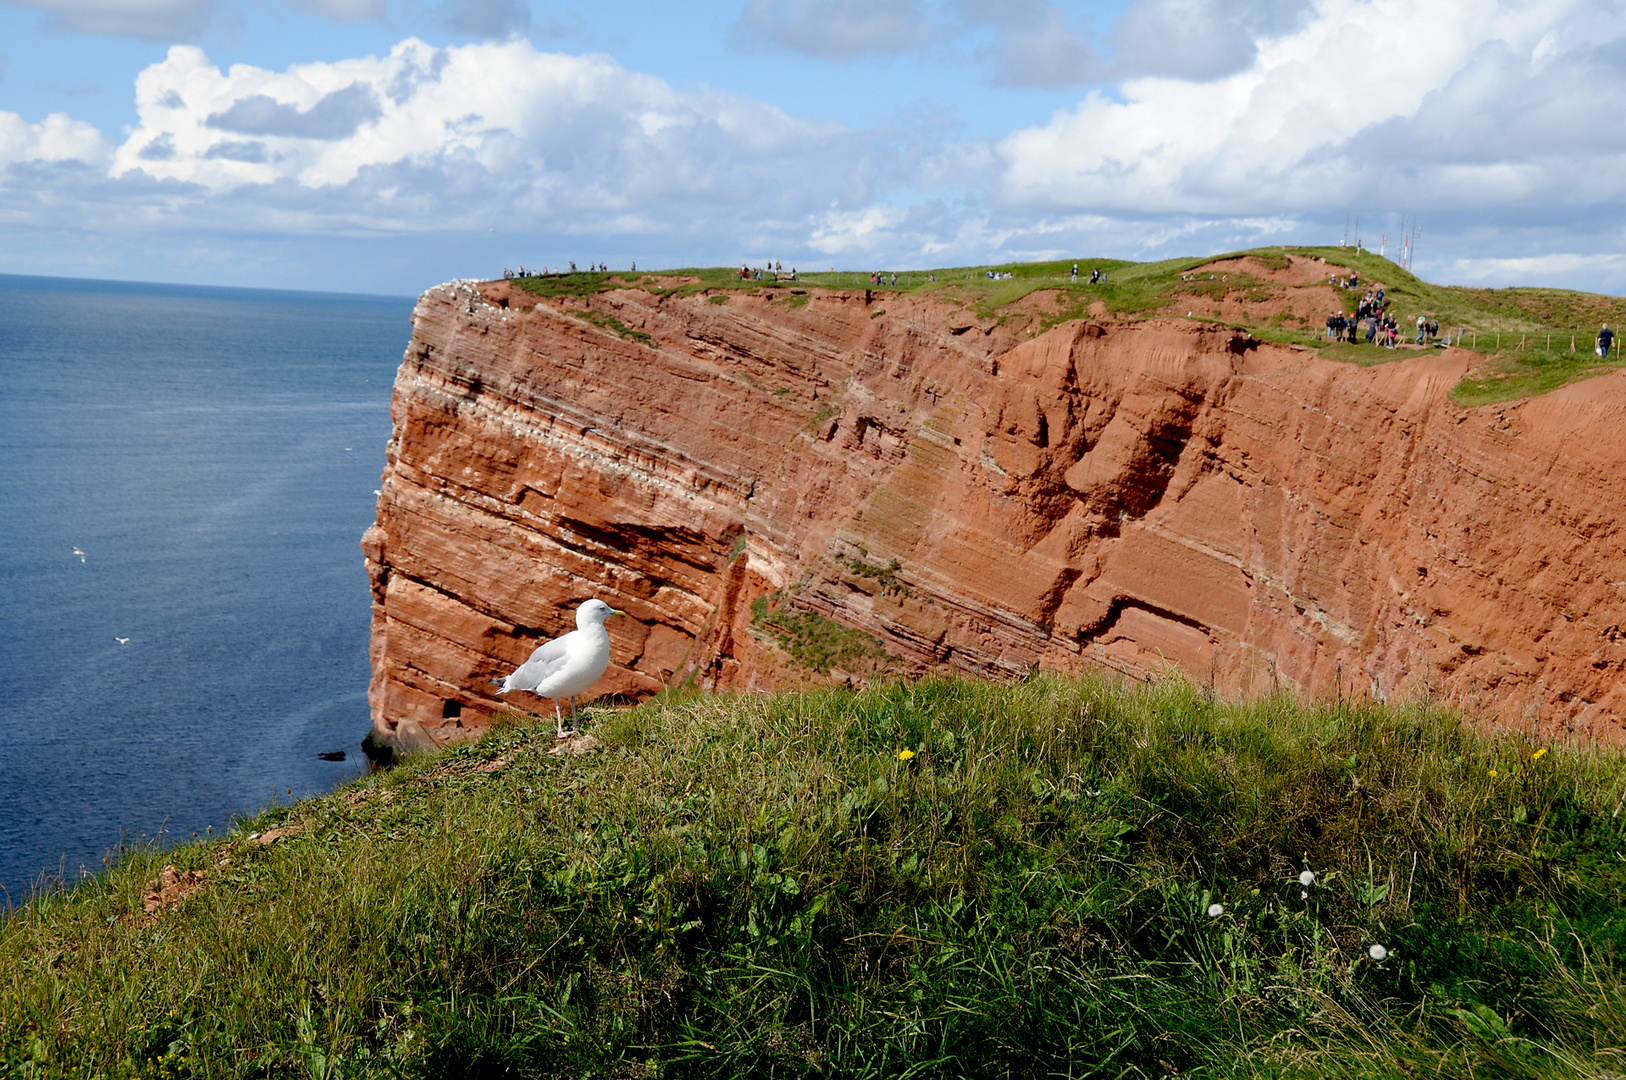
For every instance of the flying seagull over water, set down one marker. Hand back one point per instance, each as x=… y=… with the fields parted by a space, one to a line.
x=568 y=665
x=122 y=640
x=79 y=553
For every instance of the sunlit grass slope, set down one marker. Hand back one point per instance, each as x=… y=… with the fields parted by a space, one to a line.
x=770 y=886
x=1537 y=339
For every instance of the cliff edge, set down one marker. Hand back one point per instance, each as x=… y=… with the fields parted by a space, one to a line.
x=784 y=486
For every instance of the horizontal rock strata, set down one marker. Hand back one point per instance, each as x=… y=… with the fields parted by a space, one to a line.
x=984 y=497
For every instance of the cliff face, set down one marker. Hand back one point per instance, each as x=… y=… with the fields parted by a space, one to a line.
x=980 y=497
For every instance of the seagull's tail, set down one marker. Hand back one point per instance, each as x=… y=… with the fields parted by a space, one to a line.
x=502 y=681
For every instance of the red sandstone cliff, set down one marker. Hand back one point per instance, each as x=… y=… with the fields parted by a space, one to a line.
x=1129 y=495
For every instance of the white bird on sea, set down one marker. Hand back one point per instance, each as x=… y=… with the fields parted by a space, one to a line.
x=567 y=665
x=79 y=553
x=122 y=640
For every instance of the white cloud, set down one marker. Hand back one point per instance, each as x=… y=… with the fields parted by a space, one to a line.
x=833 y=29
x=337 y=115
x=856 y=231
x=1034 y=44
x=150 y=20
x=56 y=138
x=1503 y=125
x=1029 y=44
x=486 y=18
x=431 y=138
x=343 y=10
x=169 y=21
x=1199 y=39
x=1559 y=266
x=1314 y=123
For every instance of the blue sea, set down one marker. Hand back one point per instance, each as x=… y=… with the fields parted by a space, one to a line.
x=185 y=475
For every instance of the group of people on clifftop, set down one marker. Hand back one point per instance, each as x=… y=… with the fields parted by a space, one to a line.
x=592 y=268
x=1381 y=327
x=772 y=270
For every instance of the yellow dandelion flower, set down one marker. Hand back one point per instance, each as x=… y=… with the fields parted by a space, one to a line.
x=1493 y=774
x=905 y=755
x=1537 y=755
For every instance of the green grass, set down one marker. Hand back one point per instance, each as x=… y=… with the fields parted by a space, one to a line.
x=609 y=322
x=760 y=886
x=1535 y=340
x=817 y=643
x=885 y=577
x=584 y=283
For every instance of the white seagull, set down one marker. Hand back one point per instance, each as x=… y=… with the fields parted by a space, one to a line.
x=79 y=553
x=568 y=665
x=122 y=640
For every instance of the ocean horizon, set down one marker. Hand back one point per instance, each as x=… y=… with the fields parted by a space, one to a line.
x=185 y=475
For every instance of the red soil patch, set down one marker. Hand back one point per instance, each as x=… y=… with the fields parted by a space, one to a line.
x=1245 y=290
x=164 y=892
x=1040 y=302
x=1299 y=270
x=1307 y=305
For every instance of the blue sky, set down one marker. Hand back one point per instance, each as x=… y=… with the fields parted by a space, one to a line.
x=386 y=145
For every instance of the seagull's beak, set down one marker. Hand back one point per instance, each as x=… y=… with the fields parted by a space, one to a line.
x=617 y=611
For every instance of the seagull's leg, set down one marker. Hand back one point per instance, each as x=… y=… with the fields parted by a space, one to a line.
x=558 y=721
x=573 y=728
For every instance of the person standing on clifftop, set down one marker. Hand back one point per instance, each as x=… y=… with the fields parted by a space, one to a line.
x=1606 y=338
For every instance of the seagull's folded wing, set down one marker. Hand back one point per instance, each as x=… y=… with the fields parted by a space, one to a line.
x=548 y=658
x=549 y=653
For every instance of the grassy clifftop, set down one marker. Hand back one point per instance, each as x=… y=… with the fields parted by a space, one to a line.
x=1057 y=878
x=1534 y=339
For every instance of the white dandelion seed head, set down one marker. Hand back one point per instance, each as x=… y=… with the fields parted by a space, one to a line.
x=1377 y=952
x=1307 y=878
x=1216 y=910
